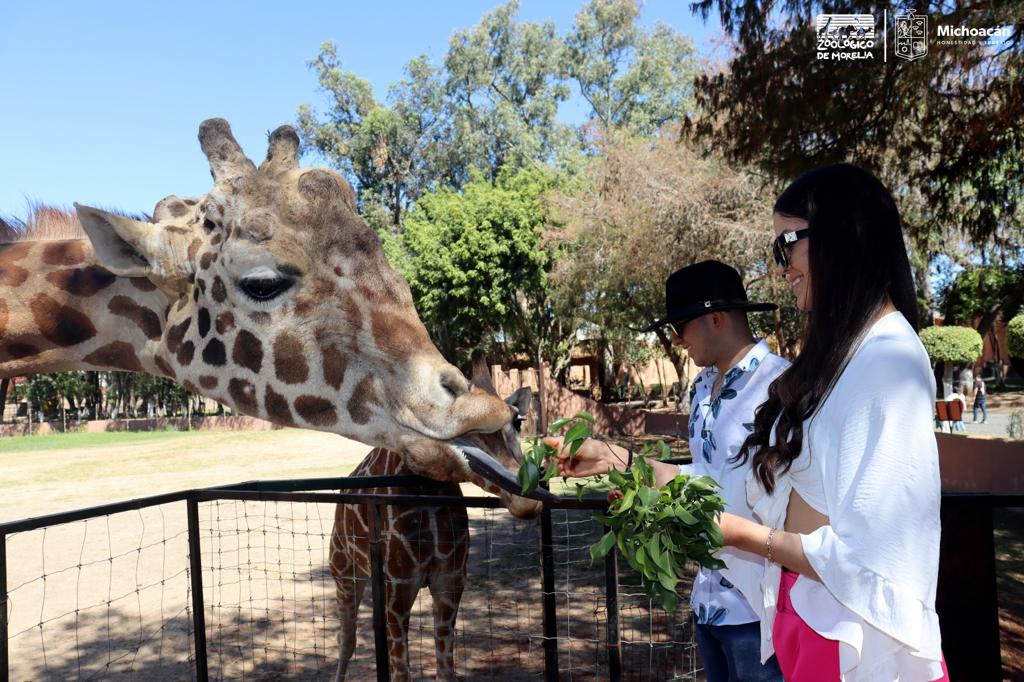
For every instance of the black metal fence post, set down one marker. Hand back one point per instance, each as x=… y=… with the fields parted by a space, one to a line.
x=198 y=610
x=611 y=600
x=547 y=560
x=380 y=626
x=5 y=669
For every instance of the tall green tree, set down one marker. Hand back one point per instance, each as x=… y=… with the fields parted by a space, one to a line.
x=474 y=262
x=633 y=79
x=946 y=126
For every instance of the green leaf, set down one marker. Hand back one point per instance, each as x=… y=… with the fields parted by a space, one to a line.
x=686 y=517
x=577 y=432
x=602 y=546
x=585 y=416
x=559 y=423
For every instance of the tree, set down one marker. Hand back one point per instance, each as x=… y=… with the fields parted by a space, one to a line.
x=392 y=150
x=1015 y=343
x=647 y=209
x=947 y=125
x=982 y=295
x=475 y=264
x=948 y=347
x=632 y=79
x=504 y=89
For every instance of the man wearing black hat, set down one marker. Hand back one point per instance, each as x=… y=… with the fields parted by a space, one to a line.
x=706 y=309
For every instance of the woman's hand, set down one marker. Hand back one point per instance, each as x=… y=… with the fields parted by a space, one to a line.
x=593 y=458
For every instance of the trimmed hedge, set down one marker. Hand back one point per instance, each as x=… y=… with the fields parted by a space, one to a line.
x=952 y=344
x=1015 y=336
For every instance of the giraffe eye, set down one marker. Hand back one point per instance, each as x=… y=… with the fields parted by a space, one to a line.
x=264 y=288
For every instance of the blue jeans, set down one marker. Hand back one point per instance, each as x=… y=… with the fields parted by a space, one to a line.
x=980 y=402
x=732 y=653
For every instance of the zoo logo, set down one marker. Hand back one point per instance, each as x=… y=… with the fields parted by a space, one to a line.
x=911 y=36
x=845 y=37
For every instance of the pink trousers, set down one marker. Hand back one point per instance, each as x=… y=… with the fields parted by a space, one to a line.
x=803 y=654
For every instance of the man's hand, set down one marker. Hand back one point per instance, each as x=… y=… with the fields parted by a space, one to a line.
x=593 y=458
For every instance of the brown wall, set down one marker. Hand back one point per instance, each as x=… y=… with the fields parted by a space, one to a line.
x=981 y=465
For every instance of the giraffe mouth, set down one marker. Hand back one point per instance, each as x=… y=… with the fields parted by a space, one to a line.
x=483 y=464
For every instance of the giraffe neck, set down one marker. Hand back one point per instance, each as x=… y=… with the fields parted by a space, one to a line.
x=61 y=310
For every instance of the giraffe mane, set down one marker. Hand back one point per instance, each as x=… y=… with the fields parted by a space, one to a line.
x=47 y=223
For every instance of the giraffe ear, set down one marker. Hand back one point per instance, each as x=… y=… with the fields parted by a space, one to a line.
x=521 y=400
x=130 y=248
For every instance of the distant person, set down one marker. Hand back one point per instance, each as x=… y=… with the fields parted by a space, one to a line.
x=979 y=401
x=958 y=396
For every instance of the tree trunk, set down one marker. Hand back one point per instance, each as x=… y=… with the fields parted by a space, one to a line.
x=4 y=386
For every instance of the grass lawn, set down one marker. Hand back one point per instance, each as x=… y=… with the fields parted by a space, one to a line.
x=59 y=472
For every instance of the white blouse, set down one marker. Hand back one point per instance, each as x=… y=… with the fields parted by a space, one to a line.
x=872 y=450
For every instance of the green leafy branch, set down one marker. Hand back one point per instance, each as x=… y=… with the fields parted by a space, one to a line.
x=658 y=529
x=540 y=463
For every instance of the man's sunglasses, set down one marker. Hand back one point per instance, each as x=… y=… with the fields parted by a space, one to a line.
x=783 y=244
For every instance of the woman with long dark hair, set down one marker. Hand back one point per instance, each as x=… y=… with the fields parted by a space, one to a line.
x=843 y=461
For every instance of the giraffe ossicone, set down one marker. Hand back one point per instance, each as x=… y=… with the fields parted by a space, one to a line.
x=269 y=294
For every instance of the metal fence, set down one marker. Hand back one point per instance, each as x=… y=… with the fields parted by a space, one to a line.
x=238 y=586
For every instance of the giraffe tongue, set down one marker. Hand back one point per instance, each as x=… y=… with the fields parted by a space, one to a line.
x=484 y=465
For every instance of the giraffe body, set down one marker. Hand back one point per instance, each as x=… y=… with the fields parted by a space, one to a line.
x=422 y=547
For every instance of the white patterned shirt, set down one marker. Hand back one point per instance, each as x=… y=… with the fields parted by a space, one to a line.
x=717 y=429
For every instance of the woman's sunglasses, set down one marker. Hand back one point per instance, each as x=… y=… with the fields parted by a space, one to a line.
x=783 y=244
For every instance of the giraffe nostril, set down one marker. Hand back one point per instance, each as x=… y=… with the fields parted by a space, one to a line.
x=454 y=383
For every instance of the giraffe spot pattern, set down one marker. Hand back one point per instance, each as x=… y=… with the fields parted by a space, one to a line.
x=142 y=284
x=207 y=259
x=164 y=367
x=216 y=239
x=193 y=248
x=176 y=333
x=195 y=294
x=12 y=251
x=218 y=290
x=208 y=382
x=248 y=352
x=225 y=322
x=59 y=324
x=315 y=410
x=85 y=281
x=289 y=360
x=203 y=322
x=116 y=355
x=70 y=252
x=215 y=354
x=20 y=350
x=277 y=408
x=144 y=318
x=393 y=333
x=244 y=395
x=177 y=209
x=363 y=398
x=12 y=275
x=334 y=365
x=186 y=352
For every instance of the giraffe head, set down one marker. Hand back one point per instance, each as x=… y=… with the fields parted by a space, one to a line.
x=281 y=303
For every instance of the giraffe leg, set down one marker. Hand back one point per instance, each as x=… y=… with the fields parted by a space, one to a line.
x=350 y=593
x=446 y=592
x=401 y=596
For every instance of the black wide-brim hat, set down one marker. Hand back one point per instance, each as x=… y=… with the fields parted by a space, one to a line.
x=703 y=288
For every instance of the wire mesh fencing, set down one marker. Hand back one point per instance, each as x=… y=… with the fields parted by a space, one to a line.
x=101 y=597
x=111 y=594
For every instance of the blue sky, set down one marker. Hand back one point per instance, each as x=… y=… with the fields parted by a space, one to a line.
x=102 y=100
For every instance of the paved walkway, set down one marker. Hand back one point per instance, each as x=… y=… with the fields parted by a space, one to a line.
x=998 y=421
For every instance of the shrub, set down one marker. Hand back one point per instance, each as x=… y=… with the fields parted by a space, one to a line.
x=952 y=344
x=1015 y=336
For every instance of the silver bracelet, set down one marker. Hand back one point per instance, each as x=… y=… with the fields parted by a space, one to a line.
x=768 y=544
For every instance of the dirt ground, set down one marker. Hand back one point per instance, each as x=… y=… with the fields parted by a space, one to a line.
x=110 y=596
